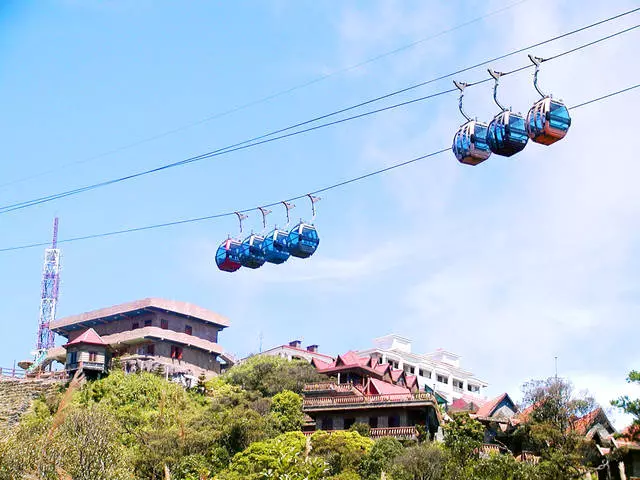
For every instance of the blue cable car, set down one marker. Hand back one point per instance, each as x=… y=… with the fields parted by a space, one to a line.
x=276 y=246
x=303 y=240
x=470 y=141
x=251 y=253
x=507 y=133
x=548 y=120
x=228 y=255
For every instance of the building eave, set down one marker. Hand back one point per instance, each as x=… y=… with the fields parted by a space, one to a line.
x=125 y=310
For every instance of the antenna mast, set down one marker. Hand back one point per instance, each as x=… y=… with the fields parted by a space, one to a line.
x=48 y=298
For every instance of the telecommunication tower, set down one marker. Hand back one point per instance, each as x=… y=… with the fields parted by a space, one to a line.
x=48 y=297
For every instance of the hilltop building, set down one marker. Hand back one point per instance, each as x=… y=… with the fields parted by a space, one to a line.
x=88 y=353
x=360 y=390
x=437 y=371
x=294 y=351
x=149 y=334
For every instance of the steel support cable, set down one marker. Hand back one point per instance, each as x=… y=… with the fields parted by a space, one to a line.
x=245 y=145
x=292 y=199
x=273 y=95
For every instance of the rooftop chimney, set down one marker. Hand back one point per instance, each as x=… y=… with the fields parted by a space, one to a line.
x=312 y=348
x=295 y=343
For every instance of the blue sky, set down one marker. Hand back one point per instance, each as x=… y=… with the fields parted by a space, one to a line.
x=508 y=264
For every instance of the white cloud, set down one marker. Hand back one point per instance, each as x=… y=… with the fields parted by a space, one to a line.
x=528 y=257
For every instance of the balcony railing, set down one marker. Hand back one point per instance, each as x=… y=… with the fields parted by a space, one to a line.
x=12 y=372
x=397 y=432
x=328 y=387
x=311 y=402
x=405 y=433
x=86 y=366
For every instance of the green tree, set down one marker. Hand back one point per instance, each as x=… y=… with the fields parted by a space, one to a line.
x=282 y=457
x=505 y=467
x=342 y=450
x=286 y=411
x=362 y=428
x=549 y=428
x=270 y=374
x=380 y=458
x=425 y=461
x=463 y=436
x=632 y=407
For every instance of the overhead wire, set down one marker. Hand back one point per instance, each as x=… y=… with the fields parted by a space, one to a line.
x=271 y=96
x=262 y=140
x=292 y=199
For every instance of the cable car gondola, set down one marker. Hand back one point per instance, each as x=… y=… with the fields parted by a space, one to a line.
x=470 y=141
x=303 y=238
x=276 y=246
x=548 y=120
x=228 y=255
x=251 y=254
x=507 y=132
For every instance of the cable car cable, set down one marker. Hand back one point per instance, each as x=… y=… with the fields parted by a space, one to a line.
x=316 y=192
x=245 y=145
x=269 y=97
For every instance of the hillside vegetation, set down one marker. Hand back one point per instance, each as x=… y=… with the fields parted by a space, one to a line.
x=244 y=425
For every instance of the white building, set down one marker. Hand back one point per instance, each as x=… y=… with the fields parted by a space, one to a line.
x=439 y=370
x=294 y=351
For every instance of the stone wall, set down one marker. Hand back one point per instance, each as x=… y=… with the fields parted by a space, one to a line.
x=16 y=397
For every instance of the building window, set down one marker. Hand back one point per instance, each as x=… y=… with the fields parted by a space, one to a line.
x=148 y=322
x=164 y=323
x=473 y=388
x=327 y=423
x=348 y=422
x=394 y=420
x=390 y=362
x=151 y=349
x=93 y=356
x=188 y=330
x=135 y=325
x=73 y=357
x=425 y=373
x=373 y=422
x=458 y=384
x=442 y=378
x=409 y=369
x=176 y=352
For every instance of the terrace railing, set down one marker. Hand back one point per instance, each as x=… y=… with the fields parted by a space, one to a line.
x=12 y=372
x=368 y=399
x=397 y=432
x=328 y=387
x=19 y=373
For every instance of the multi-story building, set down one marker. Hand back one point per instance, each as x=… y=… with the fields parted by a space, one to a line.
x=437 y=371
x=179 y=337
x=294 y=351
x=360 y=390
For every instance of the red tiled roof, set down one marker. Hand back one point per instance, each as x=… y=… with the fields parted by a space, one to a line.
x=382 y=368
x=351 y=358
x=89 y=337
x=321 y=365
x=459 y=405
x=584 y=423
x=411 y=380
x=396 y=374
x=488 y=408
x=385 y=388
